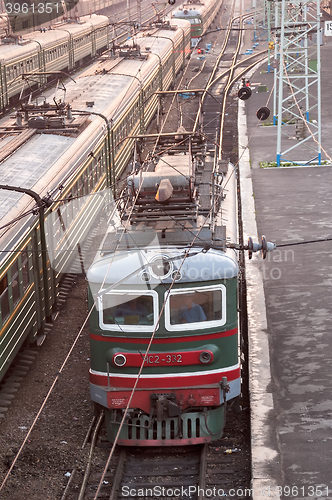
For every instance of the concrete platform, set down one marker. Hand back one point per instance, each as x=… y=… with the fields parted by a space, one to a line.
x=289 y=306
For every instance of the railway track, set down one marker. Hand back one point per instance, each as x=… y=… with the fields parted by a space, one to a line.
x=159 y=473
x=221 y=465
x=195 y=472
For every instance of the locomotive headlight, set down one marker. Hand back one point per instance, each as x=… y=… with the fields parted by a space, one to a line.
x=205 y=357
x=119 y=360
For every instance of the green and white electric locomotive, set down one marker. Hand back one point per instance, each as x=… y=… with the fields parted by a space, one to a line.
x=164 y=286
x=200 y=14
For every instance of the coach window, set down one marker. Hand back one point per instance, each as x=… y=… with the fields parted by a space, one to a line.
x=101 y=162
x=65 y=213
x=85 y=180
x=25 y=269
x=89 y=178
x=80 y=191
x=95 y=173
x=67 y=208
x=128 y=311
x=4 y=298
x=15 y=282
x=75 y=200
x=196 y=308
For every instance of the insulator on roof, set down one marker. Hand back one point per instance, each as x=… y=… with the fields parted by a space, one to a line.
x=165 y=191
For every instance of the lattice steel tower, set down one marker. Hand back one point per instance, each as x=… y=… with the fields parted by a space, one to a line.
x=297 y=90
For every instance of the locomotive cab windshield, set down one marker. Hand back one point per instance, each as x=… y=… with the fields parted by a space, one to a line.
x=185 y=309
x=127 y=311
x=197 y=308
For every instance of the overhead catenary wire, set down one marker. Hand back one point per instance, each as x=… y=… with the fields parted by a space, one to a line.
x=66 y=360
x=144 y=359
x=45 y=401
x=51 y=389
x=327 y=239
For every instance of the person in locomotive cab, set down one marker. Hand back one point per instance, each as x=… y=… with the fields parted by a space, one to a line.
x=189 y=311
x=133 y=311
x=132 y=307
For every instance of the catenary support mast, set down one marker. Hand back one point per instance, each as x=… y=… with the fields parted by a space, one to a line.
x=298 y=94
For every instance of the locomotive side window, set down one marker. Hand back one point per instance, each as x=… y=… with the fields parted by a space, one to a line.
x=127 y=311
x=196 y=308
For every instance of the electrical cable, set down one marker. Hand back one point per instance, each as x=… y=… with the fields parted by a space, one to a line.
x=145 y=356
x=64 y=364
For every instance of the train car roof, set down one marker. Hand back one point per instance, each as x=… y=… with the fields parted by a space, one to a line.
x=48 y=38
x=94 y=20
x=41 y=163
x=13 y=51
x=29 y=165
x=197 y=7
x=37 y=39
x=132 y=268
x=186 y=13
x=102 y=89
x=63 y=28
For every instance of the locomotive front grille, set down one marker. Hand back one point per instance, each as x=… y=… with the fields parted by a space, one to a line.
x=189 y=427
x=166 y=429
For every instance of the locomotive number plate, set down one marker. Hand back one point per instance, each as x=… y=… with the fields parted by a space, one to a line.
x=164 y=359
x=161 y=358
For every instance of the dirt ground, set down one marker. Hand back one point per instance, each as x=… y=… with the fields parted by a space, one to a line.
x=54 y=446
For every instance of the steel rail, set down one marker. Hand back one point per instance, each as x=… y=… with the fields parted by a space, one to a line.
x=118 y=475
x=227 y=88
x=92 y=447
x=215 y=68
x=202 y=471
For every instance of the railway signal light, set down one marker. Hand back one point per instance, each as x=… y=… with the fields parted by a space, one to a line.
x=271 y=45
x=244 y=93
x=263 y=113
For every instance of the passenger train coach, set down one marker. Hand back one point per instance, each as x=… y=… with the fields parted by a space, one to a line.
x=65 y=47
x=200 y=14
x=56 y=152
x=23 y=15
